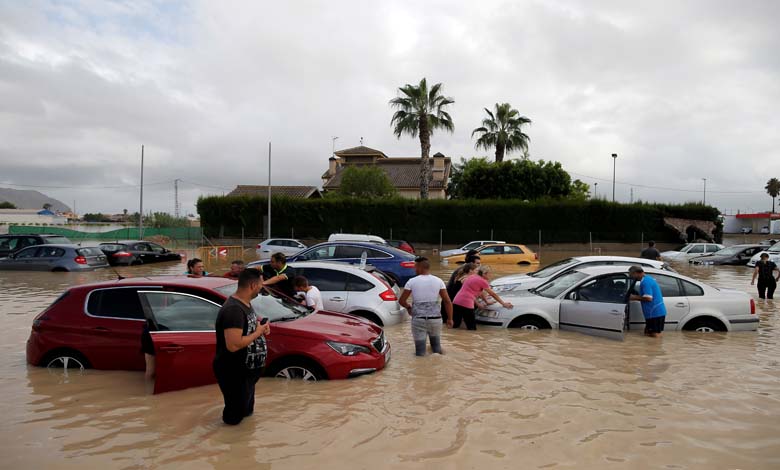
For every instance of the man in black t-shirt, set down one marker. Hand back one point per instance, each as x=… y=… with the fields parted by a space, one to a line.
x=279 y=276
x=765 y=272
x=241 y=349
x=651 y=252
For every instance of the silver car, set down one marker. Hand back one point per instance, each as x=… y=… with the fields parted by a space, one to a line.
x=57 y=258
x=593 y=301
x=288 y=246
x=518 y=282
x=773 y=252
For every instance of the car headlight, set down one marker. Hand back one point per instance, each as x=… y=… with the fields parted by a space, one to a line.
x=347 y=349
x=487 y=313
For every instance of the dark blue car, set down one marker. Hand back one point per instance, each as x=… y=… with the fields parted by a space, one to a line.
x=392 y=261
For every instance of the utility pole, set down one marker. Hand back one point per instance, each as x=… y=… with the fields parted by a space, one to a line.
x=268 y=235
x=704 y=196
x=176 y=198
x=632 y=195
x=333 y=143
x=614 y=164
x=596 y=190
x=141 y=209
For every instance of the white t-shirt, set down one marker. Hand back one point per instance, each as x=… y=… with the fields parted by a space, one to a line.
x=425 y=295
x=314 y=299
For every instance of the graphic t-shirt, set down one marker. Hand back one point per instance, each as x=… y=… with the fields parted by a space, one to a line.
x=425 y=295
x=471 y=289
x=655 y=308
x=235 y=314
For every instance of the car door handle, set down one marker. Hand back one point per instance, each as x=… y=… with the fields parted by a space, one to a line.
x=615 y=312
x=680 y=304
x=101 y=328
x=172 y=348
x=336 y=299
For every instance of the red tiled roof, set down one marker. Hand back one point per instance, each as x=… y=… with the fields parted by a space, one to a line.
x=361 y=150
x=302 y=192
x=403 y=173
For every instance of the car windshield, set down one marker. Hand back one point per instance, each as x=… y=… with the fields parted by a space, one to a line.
x=270 y=305
x=89 y=251
x=470 y=246
x=112 y=247
x=554 y=268
x=557 y=286
x=775 y=248
x=57 y=241
x=730 y=251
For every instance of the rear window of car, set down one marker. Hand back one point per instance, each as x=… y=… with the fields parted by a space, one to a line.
x=382 y=277
x=53 y=252
x=692 y=290
x=115 y=303
x=56 y=241
x=112 y=247
x=669 y=286
x=358 y=284
x=89 y=251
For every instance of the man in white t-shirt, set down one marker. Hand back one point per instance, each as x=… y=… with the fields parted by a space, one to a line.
x=426 y=290
x=313 y=298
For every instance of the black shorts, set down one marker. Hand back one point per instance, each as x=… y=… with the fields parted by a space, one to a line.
x=654 y=325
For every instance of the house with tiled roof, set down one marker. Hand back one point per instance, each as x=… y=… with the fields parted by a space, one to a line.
x=403 y=172
x=298 y=192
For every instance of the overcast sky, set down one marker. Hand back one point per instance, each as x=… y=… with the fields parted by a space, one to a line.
x=679 y=90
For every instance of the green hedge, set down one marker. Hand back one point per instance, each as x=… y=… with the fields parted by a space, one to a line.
x=454 y=220
x=127 y=233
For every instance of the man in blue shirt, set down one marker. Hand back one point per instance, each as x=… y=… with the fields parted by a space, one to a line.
x=653 y=307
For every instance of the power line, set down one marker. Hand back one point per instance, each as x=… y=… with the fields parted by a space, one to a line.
x=662 y=187
x=221 y=188
x=40 y=186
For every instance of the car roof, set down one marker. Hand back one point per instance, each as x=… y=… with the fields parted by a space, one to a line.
x=339 y=266
x=499 y=244
x=360 y=244
x=586 y=259
x=600 y=270
x=207 y=282
x=43 y=235
x=279 y=238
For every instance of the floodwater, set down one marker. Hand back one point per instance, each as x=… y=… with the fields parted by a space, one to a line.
x=496 y=399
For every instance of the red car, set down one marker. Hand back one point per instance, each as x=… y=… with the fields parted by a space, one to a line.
x=401 y=245
x=100 y=325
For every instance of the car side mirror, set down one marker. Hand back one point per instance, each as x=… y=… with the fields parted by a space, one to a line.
x=572 y=296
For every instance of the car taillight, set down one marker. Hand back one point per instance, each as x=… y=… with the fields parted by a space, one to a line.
x=388 y=295
x=407 y=264
x=121 y=254
x=752 y=307
x=80 y=260
x=259 y=246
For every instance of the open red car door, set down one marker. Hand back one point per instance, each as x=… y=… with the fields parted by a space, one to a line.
x=183 y=337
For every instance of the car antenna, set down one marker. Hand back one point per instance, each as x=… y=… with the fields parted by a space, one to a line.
x=119 y=277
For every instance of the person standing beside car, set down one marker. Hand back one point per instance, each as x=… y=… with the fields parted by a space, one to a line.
x=767 y=282
x=653 y=307
x=278 y=275
x=651 y=252
x=456 y=279
x=464 y=304
x=235 y=269
x=426 y=290
x=311 y=295
x=241 y=348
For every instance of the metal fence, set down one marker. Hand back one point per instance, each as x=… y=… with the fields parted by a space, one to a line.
x=176 y=235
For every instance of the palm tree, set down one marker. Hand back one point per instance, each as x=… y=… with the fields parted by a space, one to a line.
x=502 y=129
x=773 y=189
x=420 y=111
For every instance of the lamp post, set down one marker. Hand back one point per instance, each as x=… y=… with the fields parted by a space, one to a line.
x=596 y=190
x=141 y=205
x=704 y=196
x=614 y=164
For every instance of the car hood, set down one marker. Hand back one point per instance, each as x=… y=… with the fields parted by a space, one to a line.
x=511 y=279
x=670 y=253
x=331 y=326
x=456 y=251
x=516 y=283
x=525 y=301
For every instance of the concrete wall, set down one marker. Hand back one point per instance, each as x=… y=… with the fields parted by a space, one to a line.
x=6 y=218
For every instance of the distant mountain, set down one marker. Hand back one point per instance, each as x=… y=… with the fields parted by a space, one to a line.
x=29 y=199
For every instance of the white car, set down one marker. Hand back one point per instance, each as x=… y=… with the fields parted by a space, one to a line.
x=356 y=237
x=691 y=250
x=472 y=245
x=346 y=288
x=518 y=282
x=593 y=301
x=288 y=246
x=773 y=252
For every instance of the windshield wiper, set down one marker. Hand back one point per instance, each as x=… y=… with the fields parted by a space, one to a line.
x=288 y=318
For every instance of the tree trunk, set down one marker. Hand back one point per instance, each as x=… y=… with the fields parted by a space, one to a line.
x=425 y=165
x=499 y=153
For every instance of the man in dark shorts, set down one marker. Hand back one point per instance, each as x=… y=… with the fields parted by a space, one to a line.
x=767 y=282
x=279 y=276
x=241 y=348
x=653 y=307
x=651 y=252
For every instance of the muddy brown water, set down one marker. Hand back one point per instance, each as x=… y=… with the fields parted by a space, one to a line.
x=496 y=399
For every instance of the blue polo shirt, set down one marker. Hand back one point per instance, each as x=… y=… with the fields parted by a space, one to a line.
x=656 y=307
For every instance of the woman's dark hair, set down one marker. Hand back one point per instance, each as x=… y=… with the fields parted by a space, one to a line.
x=192 y=263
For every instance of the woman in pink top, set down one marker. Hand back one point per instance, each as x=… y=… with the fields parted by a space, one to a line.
x=476 y=285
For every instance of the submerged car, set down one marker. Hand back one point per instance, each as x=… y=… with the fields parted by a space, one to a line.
x=691 y=250
x=364 y=292
x=99 y=325
x=736 y=255
x=504 y=253
x=472 y=245
x=397 y=264
x=773 y=252
x=595 y=301
x=518 y=282
x=55 y=258
x=287 y=246
x=135 y=252
x=13 y=243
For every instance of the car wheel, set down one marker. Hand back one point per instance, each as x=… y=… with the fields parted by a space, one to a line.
x=529 y=322
x=298 y=370
x=65 y=360
x=704 y=325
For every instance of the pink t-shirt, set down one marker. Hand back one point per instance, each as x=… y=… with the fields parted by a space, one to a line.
x=472 y=287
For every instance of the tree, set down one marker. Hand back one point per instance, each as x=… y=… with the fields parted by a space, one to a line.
x=165 y=220
x=420 y=111
x=7 y=205
x=98 y=217
x=773 y=189
x=47 y=206
x=579 y=190
x=502 y=130
x=365 y=182
x=517 y=179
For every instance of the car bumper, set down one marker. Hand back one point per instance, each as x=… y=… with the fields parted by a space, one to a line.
x=393 y=317
x=362 y=364
x=746 y=323
x=35 y=350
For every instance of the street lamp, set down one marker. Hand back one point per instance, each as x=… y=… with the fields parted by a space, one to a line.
x=704 y=198
x=614 y=164
x=595 y=190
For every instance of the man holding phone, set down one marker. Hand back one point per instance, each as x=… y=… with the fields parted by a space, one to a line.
x=241 y=349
